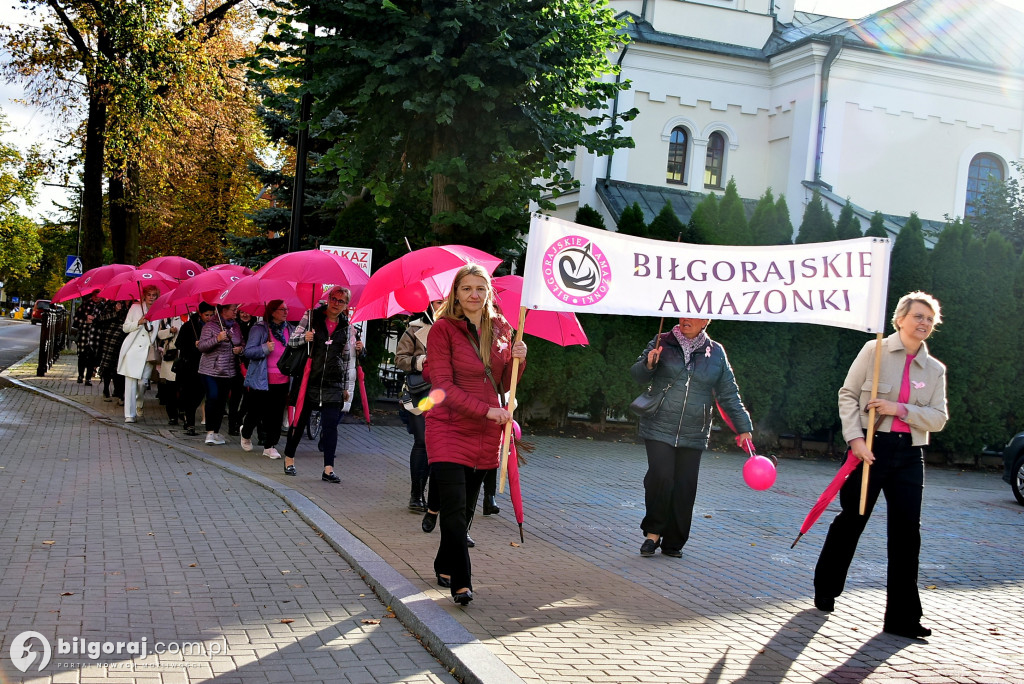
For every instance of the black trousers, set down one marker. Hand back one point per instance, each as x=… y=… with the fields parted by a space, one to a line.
x=898 y=472
x=266 y=408
x=670 y=488
x=86 y=364
x=418 y=469
x=458 y=488
x=330 y=416
x=191 y=390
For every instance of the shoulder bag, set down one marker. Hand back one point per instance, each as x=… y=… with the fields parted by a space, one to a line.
x=648 y=403
x=293 y=361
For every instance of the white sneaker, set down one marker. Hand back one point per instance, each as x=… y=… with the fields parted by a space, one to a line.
x=214 y=438
x=271 y=453
x=129 y=419
x=246 y=444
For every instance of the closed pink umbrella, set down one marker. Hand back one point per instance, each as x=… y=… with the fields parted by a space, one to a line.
x=177 y=267
x=361 y=379
x=514 y=491
x=828 y=495
x=432 y=268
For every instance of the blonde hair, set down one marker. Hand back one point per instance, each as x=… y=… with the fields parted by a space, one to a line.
x=452 y=310
x=907 y=301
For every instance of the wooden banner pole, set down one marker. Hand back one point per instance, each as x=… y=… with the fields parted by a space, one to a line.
x=871 y=424
x=506 y=438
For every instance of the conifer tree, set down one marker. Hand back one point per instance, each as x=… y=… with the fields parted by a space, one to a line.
x=817 y=224
x=631 y=222
x=877 y=227
x=588 y=216
x=762 y=221
x=732 y=219
x=704 y=221
x=667 y=226
x=908 y=263
x=783 y=224
x=848 y=225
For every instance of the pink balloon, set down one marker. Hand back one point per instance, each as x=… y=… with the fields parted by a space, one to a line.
x=759 y=473
x=413 y=298
x=516 y=430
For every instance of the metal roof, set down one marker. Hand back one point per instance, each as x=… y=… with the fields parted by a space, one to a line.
x=974 y=33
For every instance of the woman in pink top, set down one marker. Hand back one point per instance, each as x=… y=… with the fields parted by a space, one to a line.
x=268 y=389
x=910 y=403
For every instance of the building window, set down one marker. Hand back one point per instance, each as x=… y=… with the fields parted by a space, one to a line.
x=677 y=156
x=715 y=160
x=984 y=169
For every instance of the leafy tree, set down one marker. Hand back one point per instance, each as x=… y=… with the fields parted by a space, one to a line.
x=877 y=227
x=848 y=225
x=588 y=216
x=631 y=221
x=20 y=250
x=1001 y=210
x=453 y=99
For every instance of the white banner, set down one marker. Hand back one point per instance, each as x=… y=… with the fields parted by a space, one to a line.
x=570 y=267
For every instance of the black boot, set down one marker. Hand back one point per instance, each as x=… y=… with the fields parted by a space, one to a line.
x=416 y=501
x=490 y=507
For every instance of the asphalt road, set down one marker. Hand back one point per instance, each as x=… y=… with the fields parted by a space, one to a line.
x=17 y=338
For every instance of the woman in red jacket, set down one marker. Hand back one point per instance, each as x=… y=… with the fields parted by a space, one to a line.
x=470 y=351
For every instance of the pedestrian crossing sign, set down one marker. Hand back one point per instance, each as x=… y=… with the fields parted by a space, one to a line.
x=74 y=266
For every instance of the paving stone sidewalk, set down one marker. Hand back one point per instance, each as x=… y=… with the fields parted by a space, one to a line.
x=576 y=603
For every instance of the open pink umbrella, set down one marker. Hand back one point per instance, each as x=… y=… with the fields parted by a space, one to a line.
x=128 y=285
x=92 y=279
x=429 y=271
x=312 y=272
x=560 y=327
x=253 y=295
x=163 y=307
x=828 y=495
x=177 y=267
x=204 y=287
x=237 y=269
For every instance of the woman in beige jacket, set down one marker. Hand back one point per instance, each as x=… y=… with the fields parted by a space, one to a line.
x=910 y=403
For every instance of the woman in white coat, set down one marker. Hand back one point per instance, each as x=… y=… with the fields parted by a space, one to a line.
x=134 y=361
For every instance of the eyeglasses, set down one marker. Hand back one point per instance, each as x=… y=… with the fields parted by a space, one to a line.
x=338 y=300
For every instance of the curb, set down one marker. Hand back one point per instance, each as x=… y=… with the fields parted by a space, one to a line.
x=459 y=651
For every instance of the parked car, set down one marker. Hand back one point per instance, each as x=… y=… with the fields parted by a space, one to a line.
x=1013 y=466
x=42 y=306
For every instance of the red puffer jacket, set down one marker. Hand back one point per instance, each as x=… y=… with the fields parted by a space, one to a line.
x=457 y=428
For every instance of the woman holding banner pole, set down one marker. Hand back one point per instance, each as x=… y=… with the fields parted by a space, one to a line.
x=910 y=403
x=677 y=433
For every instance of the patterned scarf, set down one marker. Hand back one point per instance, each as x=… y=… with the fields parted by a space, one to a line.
x=687 y=345
x=277 y=330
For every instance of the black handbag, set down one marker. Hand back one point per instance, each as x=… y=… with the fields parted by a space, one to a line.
x=417 y=386
x=293 y=361
x=170 y=354
x=648 y=403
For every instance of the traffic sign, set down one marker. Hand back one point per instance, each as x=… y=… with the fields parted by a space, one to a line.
x=73 y=269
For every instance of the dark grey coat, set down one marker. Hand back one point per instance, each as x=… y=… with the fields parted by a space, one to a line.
x=684 y=418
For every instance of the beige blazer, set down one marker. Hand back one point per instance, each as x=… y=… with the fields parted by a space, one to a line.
x=926 y=408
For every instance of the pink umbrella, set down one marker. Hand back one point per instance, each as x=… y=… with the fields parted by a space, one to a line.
x=93 y=279
x=295 y=411
x=177 y=267
x=433 y=267
x=361 y=379
x=253 y=295
x=312 y=272
x=128 y=285
x=514 y=492
x=204 y=287
x=163 y=307
x=828 y=495
x=560 y=327
x=237 y=269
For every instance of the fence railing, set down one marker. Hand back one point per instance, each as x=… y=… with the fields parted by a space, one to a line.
x=53 y=337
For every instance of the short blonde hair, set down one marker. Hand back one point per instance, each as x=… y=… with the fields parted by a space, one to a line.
x=907 y=301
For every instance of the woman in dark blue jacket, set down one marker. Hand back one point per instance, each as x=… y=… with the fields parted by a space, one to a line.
x=677 y=433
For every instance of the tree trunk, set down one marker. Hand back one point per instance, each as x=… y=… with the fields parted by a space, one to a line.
x=118 y=221
x=92 y=178
x=132 y=219
x=440 y=201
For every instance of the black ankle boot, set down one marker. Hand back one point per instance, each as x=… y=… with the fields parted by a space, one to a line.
x=490 y=508
x=416 y=503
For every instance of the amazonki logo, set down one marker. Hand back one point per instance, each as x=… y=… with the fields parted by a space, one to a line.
x=576 y=271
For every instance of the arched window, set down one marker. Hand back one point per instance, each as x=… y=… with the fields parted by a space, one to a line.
x=984 y=169
x=715 y=161
x=677 y=156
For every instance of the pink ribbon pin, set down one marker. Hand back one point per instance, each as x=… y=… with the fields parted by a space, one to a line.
x=917 y=385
